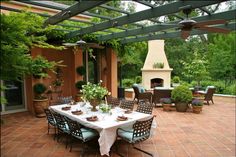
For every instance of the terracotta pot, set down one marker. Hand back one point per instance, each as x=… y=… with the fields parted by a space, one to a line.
x=166 y=107
x=181 y=106
x=39 y=106
x=197 y=109
x=94 y=103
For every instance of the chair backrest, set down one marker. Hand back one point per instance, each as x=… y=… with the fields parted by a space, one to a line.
x=161 y=93
x=50 y=117
x=60 y=121
x=209 y=94
x=136 y=91
x=145 y=107
x=75 y=128
x=113 y=101
x=142 y=130
x=127 y=104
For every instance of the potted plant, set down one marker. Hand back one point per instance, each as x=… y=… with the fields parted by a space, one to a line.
x=58 y=82
x=40 y=66
x=166 y=104
x=181 y=96
x=94 y=93
x=81 y=70
x=79 y=85
x=175 y=81
x=40 y=100
x=197 y=105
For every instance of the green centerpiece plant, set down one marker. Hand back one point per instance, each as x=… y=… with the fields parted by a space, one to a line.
x=94 y=93
x=181 y=95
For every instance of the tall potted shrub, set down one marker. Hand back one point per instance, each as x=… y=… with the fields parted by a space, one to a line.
x=40 y=100
x=181 y=95
x=79 y=85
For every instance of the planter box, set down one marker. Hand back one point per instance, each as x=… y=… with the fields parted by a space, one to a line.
x=129 y=93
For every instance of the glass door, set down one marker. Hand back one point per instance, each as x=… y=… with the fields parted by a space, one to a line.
x=14 y=95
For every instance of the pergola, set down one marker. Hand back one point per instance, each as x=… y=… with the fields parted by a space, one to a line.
x=138 y=32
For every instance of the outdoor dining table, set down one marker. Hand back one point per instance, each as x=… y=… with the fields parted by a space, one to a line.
x=106 y=124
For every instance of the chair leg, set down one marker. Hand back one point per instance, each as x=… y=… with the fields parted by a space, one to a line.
x=66 y=140
x=142 y=150
x=212 y=101
x=48 y=128
x=55 y=132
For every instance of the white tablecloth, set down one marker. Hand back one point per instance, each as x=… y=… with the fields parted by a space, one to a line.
x=106 y=124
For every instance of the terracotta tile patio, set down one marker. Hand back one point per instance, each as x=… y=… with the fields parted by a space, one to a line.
x=209 y=134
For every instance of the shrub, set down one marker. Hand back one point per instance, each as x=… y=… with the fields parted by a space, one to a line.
x=79 y=84
x=81 y=70
x=176 y=79
x=39 y=90
x=181 y=94
x=127 y=83
x=158 y=65
x=230 y=89
x=138 y=79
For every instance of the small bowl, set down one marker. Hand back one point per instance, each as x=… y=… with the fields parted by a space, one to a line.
x=122 y=118
x=128 y=111
x=66 y=108
x=79 y=112
x=92 y=119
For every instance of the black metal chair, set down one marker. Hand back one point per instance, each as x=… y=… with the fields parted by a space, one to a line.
x=139 y=132
x=79 y=132
x=127 y=104
x=62 y=126
x=51 y=121
x=145 y=107
x=113 y=101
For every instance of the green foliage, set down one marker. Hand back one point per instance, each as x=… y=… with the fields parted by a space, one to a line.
x=2 y=99
x=81 y=70
x=39 y=90
x=79 y=84
x=176 y=79
x=138 y=79
x=221 y=56
x=158 y=65
x=181 y=94
x=40 y=66
x=20 y=32
x=127 y=83
x=196 y=70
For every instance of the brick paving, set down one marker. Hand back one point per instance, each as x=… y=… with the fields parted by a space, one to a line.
x=209 y=134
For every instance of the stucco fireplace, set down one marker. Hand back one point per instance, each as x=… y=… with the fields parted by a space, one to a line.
x=156 y=71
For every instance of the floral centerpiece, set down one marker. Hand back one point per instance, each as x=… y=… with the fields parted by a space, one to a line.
x=94 y=93
x=105 y=108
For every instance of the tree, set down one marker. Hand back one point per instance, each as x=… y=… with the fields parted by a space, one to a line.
x=196 y=70
x=221 y=56
x=20 y=32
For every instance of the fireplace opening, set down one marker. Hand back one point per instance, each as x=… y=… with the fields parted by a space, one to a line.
x=157 y=82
